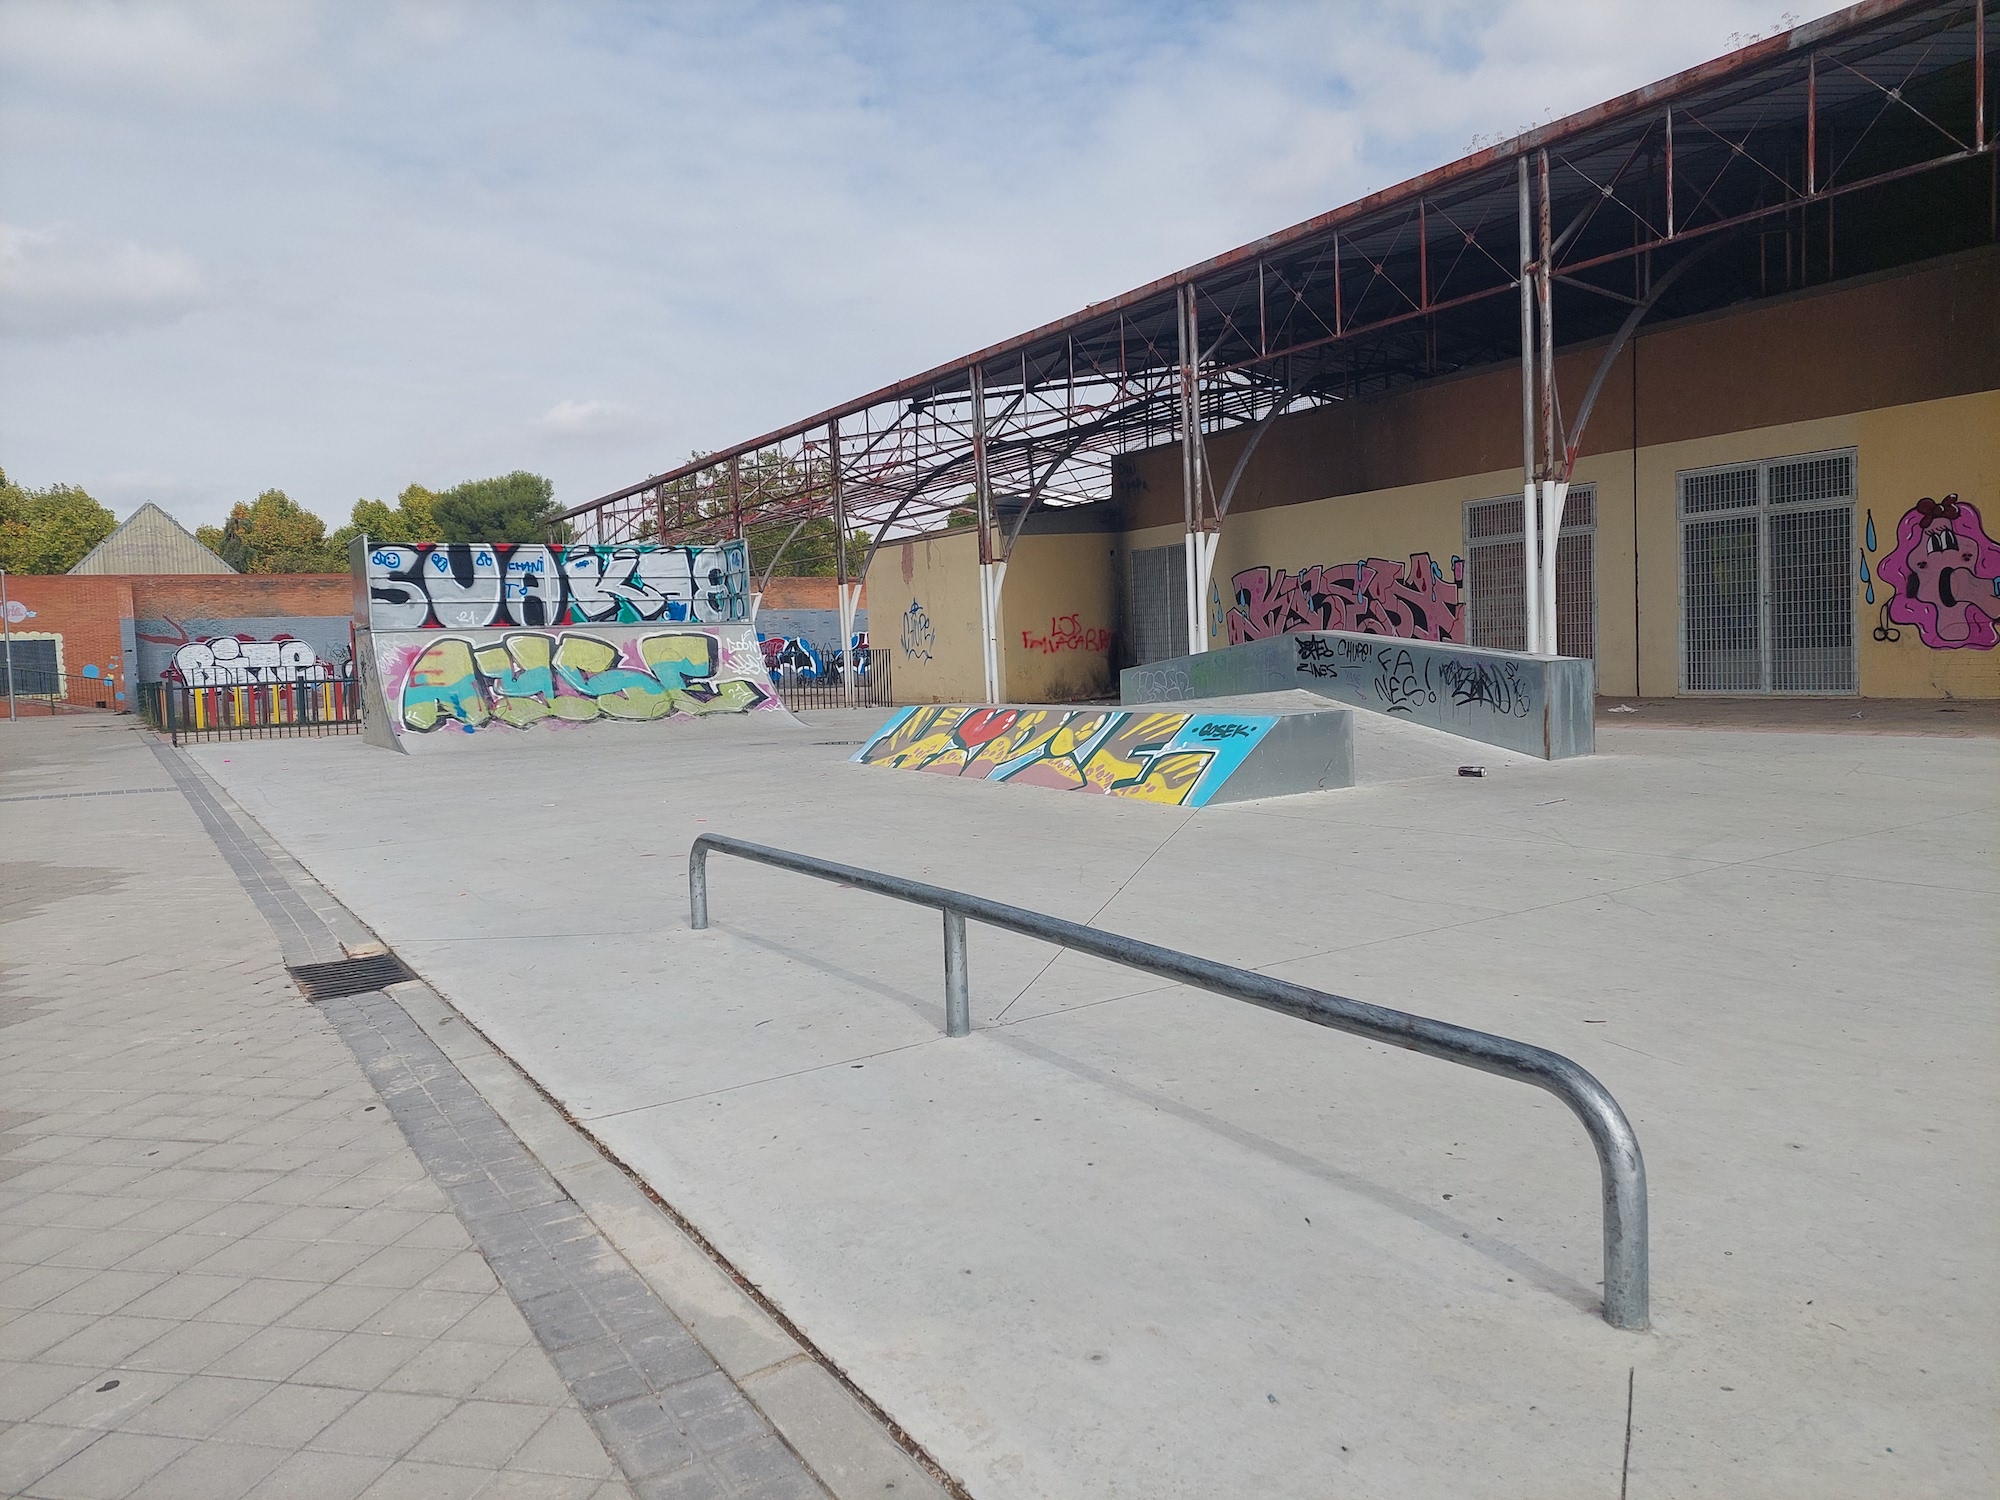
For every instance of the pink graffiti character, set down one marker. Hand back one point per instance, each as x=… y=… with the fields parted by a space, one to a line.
x=1944 y=570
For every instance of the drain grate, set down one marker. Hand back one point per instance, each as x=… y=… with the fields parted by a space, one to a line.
x=349 y=976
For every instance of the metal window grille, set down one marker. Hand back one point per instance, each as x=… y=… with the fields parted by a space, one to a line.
x=1767 y=604
x=1158 y=594
x=34 y=668
x=1719 y=615
x=1719 y=489
x=1495 y=569
x=1806 y=479
x=1811 y=602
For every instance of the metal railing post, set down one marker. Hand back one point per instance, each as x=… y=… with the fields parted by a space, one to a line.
x=698 y=886
x=1621 y=1168
x=957 y=994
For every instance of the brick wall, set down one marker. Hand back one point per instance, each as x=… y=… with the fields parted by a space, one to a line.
x=249 y=595
x=89 y=619
x=93 y=619
x=802 y=593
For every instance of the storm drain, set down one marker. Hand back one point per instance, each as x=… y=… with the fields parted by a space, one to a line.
x=348 y=976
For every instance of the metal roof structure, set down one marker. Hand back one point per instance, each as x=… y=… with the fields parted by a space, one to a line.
x=1854 y=144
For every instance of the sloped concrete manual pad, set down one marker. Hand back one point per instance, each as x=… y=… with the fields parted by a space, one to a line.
x=1232 y=750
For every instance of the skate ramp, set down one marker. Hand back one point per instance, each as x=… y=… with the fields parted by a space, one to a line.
x=1539 y=705
x=1226 y=750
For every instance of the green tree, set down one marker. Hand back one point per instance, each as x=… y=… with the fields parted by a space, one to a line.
x=48 y=531
x=273 y=534
x=516 y=507
x=412 y=519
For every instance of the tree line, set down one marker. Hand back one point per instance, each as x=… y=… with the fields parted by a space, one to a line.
x=50 y=530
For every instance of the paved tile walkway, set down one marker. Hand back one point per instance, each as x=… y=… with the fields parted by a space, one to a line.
x=224 y=1271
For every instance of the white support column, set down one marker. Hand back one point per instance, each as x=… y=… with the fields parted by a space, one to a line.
x=840 y=562
x=997 y=572
x=989 y=592
x=849 y=594
x=1555 y=492
x=1205 y=544
x=1531 y=561
x=1198 y=550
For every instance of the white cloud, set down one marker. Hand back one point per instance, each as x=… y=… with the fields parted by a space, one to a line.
x=590 y=419
x=58 y=282
x=410 y=224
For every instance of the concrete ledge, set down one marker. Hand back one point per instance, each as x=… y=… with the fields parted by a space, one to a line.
x=1539 y=705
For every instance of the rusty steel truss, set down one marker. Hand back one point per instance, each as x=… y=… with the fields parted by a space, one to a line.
x=1854 y=144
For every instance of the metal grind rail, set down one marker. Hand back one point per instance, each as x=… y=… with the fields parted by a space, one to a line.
x=1622 y=1171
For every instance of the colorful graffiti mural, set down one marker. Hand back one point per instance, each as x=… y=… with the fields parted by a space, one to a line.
x=797 y=657
x=244 y=651
x=1176 y=758
x=476 y=586
x=1375 y=596
x=1066 y=633
x=1943 y=575
x=524 y=678
x=239 y=660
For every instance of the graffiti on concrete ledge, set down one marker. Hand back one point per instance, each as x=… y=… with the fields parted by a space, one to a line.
x=527 y=677
x=1402 y=684
x=476 y=585
x=1175 y=758
x=1944 y=574
x=1375 y=596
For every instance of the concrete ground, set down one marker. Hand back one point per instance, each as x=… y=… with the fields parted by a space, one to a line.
x=1957 y=718
x=1129 y=1240
x=222 y=1269
x=255 y=1246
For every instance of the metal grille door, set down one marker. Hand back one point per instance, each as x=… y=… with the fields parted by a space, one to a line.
x=1494 y=568
x=1158 y=598
x=1766 y=601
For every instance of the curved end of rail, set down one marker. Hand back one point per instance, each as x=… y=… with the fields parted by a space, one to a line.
x=1622 y=1178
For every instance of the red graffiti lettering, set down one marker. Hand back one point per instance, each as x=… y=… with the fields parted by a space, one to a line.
x=1066 y=633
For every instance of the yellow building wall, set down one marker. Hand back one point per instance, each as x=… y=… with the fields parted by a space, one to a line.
x=1903 y=453
x=1934 y=449
x=923 y=603
x=1059 y=617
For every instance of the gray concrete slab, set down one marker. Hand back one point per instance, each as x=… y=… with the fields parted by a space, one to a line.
x=1130 y=1240
x=222 y=1269
x=1541 y=705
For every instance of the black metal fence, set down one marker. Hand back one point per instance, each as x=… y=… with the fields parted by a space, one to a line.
x=38 y=691
x=815 y=677
x=255 y=710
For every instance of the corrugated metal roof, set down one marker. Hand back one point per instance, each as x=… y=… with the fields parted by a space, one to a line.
x=151 y=541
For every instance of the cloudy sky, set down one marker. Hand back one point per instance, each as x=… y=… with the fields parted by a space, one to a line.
x=339 y=247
